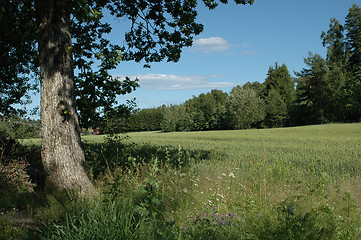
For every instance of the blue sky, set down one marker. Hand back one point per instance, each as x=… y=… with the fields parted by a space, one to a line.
x=239 y=44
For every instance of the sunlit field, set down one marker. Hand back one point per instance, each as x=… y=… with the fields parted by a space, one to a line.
x=287 y=183
x=334 y=149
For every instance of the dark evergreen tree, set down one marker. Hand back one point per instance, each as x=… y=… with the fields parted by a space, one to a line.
x=279 y=79
x=338 y=75
x=276 y=109
x=312 y=91
x=353 y=36
x=336 y=44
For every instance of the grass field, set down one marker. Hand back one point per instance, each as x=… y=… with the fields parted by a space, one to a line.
x=287 y=183
x=333 y=149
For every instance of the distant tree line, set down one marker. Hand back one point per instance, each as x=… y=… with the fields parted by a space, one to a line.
x=255 y=104
x=327 y=90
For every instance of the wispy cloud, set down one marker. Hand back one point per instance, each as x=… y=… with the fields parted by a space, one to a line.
x=248 y=52
x=245 y=50
x=212 y=44
x=218 y=44
x=177 y=82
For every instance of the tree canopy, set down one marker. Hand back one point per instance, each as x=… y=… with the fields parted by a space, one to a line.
x=65 y=43
x=158 y=30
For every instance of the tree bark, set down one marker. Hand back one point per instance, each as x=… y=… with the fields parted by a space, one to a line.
x=61 y=151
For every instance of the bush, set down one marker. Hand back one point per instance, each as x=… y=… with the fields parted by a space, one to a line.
x=13 y=168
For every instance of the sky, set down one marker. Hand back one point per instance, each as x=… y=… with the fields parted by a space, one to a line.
x=239 y=44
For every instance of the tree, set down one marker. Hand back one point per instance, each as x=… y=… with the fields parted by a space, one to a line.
x=245 y=108
x=70 y=34
x=353 y=36
x=219 y=113
x=146 y=119
x=201 y=108
x=313 y=91
x=207 y=110
x=17 y=41
x=279 y=79
x=276 y=109
x=344 y=63
x=337 y=63
x=176 y=118
x=334 y=40
x=259 y=88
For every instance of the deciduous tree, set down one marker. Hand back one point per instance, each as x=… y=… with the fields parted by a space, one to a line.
x=70 y=34
x=245 y=108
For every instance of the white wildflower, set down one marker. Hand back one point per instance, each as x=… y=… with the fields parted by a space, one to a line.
x=220 y=195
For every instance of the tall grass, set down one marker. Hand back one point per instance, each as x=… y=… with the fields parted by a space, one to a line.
x=291 y=183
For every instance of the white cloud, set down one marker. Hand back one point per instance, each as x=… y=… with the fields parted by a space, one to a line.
x=212 y=44
x=248 y=52
x=176 y=82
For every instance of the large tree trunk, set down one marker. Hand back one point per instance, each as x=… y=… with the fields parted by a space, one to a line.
x=62 y=152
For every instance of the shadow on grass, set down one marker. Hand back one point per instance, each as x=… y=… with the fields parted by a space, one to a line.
x=111 y=154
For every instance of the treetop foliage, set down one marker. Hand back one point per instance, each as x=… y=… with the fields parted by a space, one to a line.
x=158 y=30
x=17 y=53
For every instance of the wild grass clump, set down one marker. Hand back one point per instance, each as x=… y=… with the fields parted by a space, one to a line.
x=106 y=219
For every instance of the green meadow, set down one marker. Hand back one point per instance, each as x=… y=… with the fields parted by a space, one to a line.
x=333 y=150
x=286 y=183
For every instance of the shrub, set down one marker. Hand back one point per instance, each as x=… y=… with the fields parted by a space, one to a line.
x=13 y=174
